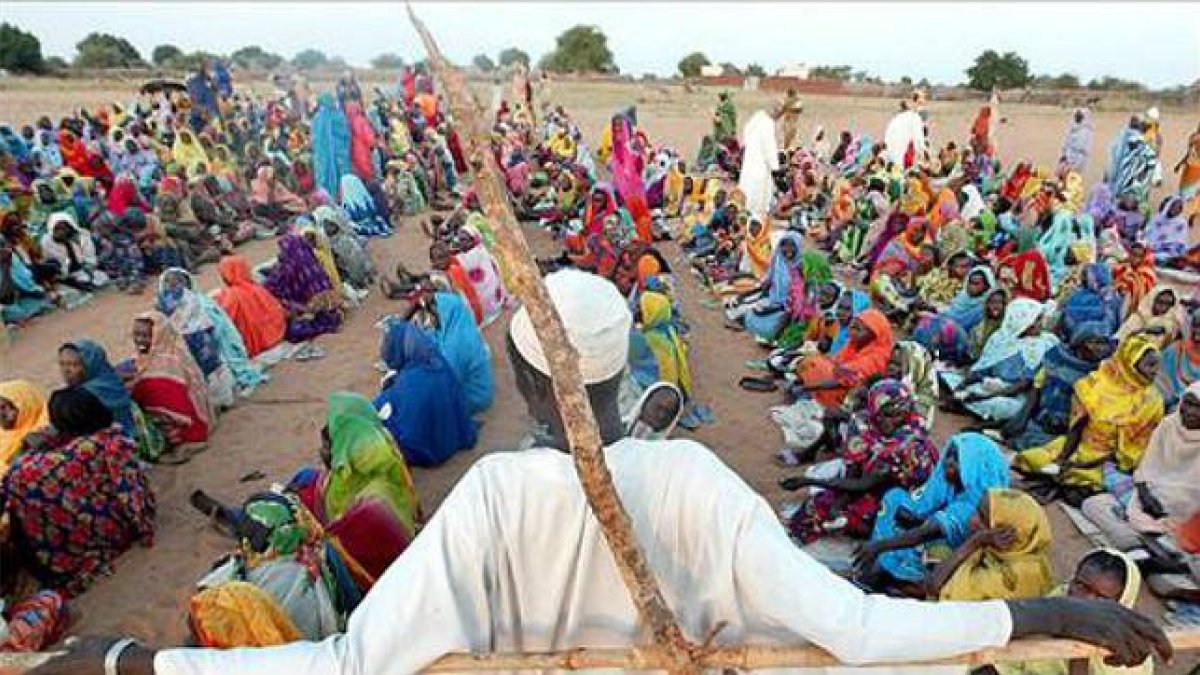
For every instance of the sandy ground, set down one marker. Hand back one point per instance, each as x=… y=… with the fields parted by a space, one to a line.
x=276 y=431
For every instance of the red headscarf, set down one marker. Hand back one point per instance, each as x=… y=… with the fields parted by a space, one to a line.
x=124 y=196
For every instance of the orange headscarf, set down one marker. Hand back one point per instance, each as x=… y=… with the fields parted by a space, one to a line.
x=854 y=364
x=256 y=313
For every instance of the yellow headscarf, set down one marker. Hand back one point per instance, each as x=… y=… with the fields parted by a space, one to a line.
x=239 y=614
x=30 y=403
x=914 y=201
x=324 y=253
x=188 y=155
x=669 y=351
x=1122 y=407
x=1096 y=664
x=1020 y=571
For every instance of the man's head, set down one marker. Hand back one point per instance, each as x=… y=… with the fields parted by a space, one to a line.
x=597 y=321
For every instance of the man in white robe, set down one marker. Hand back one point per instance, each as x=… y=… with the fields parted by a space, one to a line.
x=760 y=157
x=906 y=130
x=514 y=560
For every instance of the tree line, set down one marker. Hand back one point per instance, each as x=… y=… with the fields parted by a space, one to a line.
x=581 y=48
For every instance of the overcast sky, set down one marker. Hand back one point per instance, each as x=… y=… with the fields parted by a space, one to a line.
x=1158 y=44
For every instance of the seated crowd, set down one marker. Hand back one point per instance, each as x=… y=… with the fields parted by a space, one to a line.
x=886 y=282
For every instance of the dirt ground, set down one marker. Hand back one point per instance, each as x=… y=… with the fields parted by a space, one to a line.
x=276 y=432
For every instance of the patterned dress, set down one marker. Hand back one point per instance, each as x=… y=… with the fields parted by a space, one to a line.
x=78 y=506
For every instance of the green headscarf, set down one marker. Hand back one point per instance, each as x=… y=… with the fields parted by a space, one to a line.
x=365 y=461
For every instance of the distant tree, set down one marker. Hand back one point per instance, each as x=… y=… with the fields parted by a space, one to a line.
x=1110 y=83
x=192 y=60
x=163 y=54
x=581 y=49
x=336 y=62
x=56 y=63
x=20 y=52
x=512 y=56
x=309 y=59
x=690 y=65
x=755 y=70
x=101 y=50
x=1063 y=81
x=387 y=62
x=728 y=68
x=483 y=63
x=253 y=57
x=842 y=73
x=998 y=71
x=906 y=81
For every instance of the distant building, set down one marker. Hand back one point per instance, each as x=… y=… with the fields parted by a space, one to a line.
x=712 y=70
x=796 y=70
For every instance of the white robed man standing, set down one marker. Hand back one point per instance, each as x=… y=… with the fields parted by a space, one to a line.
x=514 y=559
x=760 y=157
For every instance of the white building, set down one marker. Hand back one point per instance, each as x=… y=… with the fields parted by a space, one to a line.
x=796 y=70
x=711 y=70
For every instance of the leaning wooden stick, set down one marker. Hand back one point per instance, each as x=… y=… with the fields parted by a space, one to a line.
x=748 y=657
x=583 y=434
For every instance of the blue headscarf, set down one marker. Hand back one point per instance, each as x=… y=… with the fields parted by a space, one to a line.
x=462 y=346
x=1063 y=368
x=967 y=310
x=859 y=302
x=423 y=406
x=1055 y=243
x=981 y=467
x=779 y=274
x=330 y=144
x=1094 y=300
x=104 y=383
x=362 y=208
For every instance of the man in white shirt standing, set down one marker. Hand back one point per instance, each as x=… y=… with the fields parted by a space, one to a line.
x=514 y=559
x=760 y=157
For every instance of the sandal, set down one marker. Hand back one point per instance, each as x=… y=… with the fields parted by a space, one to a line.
x=759 y=384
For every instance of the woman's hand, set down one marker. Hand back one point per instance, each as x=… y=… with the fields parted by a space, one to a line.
x=865 y=557
x=85 y=656
x=1000 y=538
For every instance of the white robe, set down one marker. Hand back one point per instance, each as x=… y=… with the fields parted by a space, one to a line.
x=515 y=560
x=760 y=157
x=904 y=129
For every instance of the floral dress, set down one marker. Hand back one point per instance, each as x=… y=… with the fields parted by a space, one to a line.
x=78 y=506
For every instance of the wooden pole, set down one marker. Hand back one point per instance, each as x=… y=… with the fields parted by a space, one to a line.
x=583 y=434
x=740 y=658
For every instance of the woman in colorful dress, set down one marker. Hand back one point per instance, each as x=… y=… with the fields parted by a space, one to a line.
x=1180 y=362
x=300 y=284
x=893 y=451
x=80 y=503
x=168 y=385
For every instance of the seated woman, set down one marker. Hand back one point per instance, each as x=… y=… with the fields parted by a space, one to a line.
x=1157 y=315
x=257 y=315
x=197 y=245
x=1047 y=409
x=447 y=319
x=1102 y=574
x=1180 y=362
x=482 y=271
x=350 y=258
x=782 y=292
x=271 y=200
x=446 y=264
x=893 y=451
x=938 y=512
x=1094 y=300
x=200 y=335
x=168 y=386
x=661 y=338
x=828 y=380
x=1027 y=272
x=947 y=334
x=362 y=209
x=997 y=384
x=1006 y=556
x=22 y=412
x=364 y=496
x=71 y=247
x=179 y=298
x=68 y=531
x=21 y=298
x=84 y=363
x=422 y=403
x=1135 y=277
x=939 y=287
x=1166 y=482
x=913 y=365
x=995 y=306
x=1112 y=417
x=314 y=307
